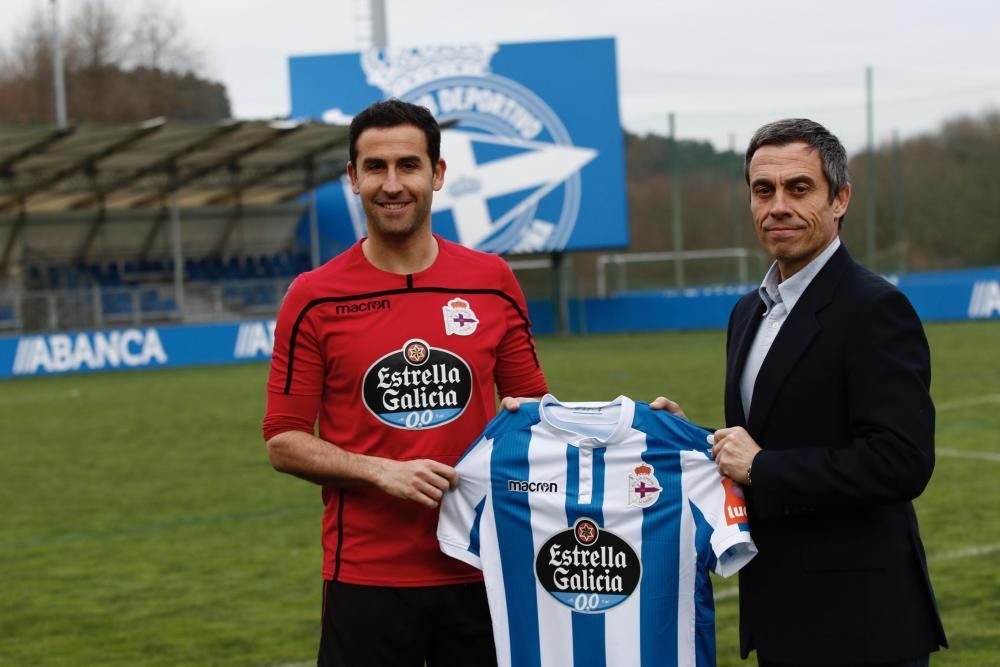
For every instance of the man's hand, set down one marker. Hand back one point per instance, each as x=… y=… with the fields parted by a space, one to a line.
x=422 y=480
x=734 y=451
x=664 y=403
x=513 y=403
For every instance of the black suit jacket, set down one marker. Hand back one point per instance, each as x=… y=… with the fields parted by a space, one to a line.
x=842 y=410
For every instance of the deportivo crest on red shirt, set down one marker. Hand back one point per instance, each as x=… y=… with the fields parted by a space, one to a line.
x=459 y=318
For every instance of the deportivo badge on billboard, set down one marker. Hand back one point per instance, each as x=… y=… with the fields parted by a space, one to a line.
x=535 y=158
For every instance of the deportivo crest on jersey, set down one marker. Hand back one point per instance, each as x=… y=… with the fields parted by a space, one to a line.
x=588 y=569
x=418 y=386
x=459 y=318
x=643 y=487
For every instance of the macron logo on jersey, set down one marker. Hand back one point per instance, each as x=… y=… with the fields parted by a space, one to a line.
x=364 y=307
x=527 y=486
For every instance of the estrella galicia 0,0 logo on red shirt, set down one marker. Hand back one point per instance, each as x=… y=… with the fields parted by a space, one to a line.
x=418 y=386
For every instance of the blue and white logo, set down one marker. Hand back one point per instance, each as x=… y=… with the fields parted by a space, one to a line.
x=985 y=300
x=99 y=350
x=255 y=340
x=511 y=153
x=534 y=154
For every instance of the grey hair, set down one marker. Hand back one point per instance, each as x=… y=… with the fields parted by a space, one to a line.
x=791 y=130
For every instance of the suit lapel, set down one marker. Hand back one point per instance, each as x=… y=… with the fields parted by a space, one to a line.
x=745 y=323
x=795 y=337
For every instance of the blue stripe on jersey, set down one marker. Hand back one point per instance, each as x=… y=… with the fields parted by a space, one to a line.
x=661 y=529
x=474 y=533
x=589 y=648
x=506 y=421
x=704 y=602
x=514 y=537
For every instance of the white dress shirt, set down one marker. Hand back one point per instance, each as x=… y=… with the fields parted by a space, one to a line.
x=779 y=298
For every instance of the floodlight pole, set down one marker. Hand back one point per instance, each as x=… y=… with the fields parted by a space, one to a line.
x=869 y=109
x=675 y=201
x=897 y=209
x=58 y=81
x=314 y=258
x=380 y=36
x=737 y=206
x=177 y=248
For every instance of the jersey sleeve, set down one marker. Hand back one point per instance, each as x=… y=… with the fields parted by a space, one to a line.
x=518 y=371
x=462 y=507
x=721 y=503
x=295 y=381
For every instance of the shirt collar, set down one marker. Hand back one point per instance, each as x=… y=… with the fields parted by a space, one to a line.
x=773 y=291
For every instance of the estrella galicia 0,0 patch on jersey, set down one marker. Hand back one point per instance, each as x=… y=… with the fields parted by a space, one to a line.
x=588 y=568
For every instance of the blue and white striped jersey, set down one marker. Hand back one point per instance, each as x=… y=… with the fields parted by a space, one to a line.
x=596 y=526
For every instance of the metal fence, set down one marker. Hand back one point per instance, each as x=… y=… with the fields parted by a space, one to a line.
x=149 y=303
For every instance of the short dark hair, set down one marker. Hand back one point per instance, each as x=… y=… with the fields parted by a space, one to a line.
x=790 y=130
x=391 y=113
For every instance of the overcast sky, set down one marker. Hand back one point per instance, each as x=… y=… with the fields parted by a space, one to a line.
x=723 y=67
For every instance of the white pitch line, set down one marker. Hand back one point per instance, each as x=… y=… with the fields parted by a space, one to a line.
x=962 y=454
x=966 y=552
x=967 y=402
x=727 y=593
x=981 y=550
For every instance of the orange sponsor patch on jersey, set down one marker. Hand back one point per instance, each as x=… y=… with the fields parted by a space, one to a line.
x=736 y=504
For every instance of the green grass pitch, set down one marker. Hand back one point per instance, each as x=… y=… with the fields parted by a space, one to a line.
x=142 y=524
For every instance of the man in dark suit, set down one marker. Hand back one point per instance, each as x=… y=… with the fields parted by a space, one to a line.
x=830 y=428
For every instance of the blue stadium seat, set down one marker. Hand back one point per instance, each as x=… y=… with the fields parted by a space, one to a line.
x=112 y=277
x=116 y=303
x=233 y=269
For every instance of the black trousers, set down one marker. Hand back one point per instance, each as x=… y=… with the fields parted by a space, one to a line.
x=374 y=626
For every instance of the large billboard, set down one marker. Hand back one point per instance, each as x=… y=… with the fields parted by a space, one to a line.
x=534 y=160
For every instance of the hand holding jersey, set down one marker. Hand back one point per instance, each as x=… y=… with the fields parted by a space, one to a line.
x=423 y=481
x=513 y=403
x=734 y=450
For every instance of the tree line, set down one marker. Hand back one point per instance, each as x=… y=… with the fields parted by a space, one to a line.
x=936 y=197
x=122 y=63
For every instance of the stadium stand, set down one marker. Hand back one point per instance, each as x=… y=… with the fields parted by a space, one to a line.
x=161 y=221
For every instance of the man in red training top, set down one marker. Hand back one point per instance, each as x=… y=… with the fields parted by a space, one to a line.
x=399 y=346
